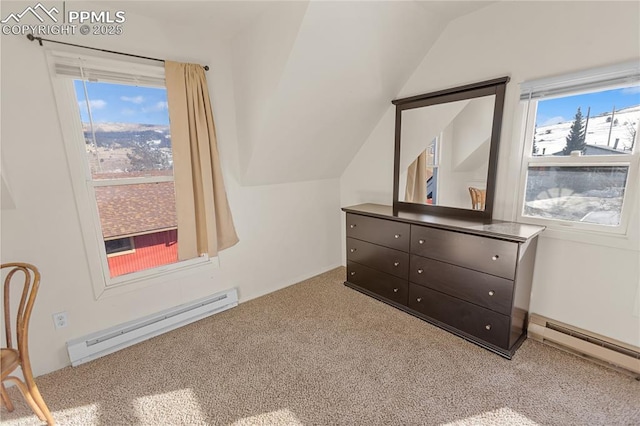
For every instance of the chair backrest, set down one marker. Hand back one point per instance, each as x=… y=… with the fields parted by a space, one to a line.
x=30 y=286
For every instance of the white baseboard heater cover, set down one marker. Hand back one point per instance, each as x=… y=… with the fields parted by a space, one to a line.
x=105 y=342
x=585 y=343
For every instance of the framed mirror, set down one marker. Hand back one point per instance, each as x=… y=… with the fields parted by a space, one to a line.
x=446 y=150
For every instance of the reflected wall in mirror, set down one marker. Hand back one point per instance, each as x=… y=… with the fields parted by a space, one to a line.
x=446 y=149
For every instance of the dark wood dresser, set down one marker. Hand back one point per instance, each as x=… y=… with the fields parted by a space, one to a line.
x=470 y=277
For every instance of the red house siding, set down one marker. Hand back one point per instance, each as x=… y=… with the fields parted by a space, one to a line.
x=151 y=250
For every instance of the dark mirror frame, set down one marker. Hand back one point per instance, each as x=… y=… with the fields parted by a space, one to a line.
x=495 y=87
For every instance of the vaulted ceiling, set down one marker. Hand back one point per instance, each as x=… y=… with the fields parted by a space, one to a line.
x=312 y=79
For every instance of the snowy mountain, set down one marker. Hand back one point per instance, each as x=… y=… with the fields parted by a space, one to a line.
x=126 y=135
x=118 y=144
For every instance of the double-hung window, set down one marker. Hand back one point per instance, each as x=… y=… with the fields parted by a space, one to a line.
x=115 y=123
x=581 y=149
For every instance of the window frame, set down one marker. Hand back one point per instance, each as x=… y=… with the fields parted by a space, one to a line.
x=567 y=85
x=84 y=190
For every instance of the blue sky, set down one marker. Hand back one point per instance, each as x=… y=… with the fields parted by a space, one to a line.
x=554 y=111
x=119 y=103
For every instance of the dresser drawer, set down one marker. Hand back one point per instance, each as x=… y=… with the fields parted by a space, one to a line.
x=394 y=262
x=482 y=289
x=482 y=254
x=379 y=231
x=482 y=323
x=385 y=285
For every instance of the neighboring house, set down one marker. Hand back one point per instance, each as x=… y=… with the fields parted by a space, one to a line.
x=595 y=150
x=139 y=226
x=601 y=150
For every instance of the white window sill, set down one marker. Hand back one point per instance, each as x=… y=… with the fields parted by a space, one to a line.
x=604 y=239
x=173 y=272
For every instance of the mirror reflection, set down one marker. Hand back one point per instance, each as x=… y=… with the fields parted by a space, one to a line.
x=444 y=155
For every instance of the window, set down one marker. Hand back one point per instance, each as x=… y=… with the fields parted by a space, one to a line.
x=119 y=246
x=116 y=125
x=580 y=151
x=127 y=141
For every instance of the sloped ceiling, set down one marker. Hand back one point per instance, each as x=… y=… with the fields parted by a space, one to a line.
x=217 y=19
x=312 y=79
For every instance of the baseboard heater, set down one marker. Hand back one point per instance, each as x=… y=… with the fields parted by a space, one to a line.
x=105 y=342
x=586 y=344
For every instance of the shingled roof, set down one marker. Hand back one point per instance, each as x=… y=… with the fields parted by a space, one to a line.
x=127 y=210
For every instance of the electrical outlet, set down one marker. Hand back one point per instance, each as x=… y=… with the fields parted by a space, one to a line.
x=60 y=320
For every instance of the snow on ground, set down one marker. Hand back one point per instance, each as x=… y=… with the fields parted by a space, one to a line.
x=576 y=207
x=552 y=138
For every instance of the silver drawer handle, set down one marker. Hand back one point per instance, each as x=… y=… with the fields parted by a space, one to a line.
x=352 y=250
x=396 y=263
x=353 y=273
x=488 y=326
x=419 y=299
x=396 y=236
x=420 y=271
x=395 y=290
x=495 y=257
x=352 y=226
x=420 y=241
x=491 y=293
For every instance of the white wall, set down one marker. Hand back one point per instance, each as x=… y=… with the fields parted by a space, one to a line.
x=287 y=232
x=472 y=132
x=593 y=283
x=465 y=152
x=421 y=125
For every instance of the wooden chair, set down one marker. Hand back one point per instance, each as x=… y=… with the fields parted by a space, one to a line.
x=478 y=197
x=12 y=357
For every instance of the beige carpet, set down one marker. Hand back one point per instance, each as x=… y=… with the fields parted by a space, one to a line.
x=318 y=353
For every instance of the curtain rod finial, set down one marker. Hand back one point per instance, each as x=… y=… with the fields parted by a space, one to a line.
x=206 y=67
x=31 y=38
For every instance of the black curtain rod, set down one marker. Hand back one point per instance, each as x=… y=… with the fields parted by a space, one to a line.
x=40 y=40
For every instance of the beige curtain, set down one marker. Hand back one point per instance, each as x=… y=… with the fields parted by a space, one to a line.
x=205 y=224
x=416 y=191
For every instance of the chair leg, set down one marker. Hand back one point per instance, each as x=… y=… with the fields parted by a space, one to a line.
x=28 y=397
x=35 y=393
x=5 y=398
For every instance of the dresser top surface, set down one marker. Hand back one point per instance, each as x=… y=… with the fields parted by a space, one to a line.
x=512 y=231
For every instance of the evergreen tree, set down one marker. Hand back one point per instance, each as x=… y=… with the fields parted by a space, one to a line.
x=535 y=145
x=576 y=137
